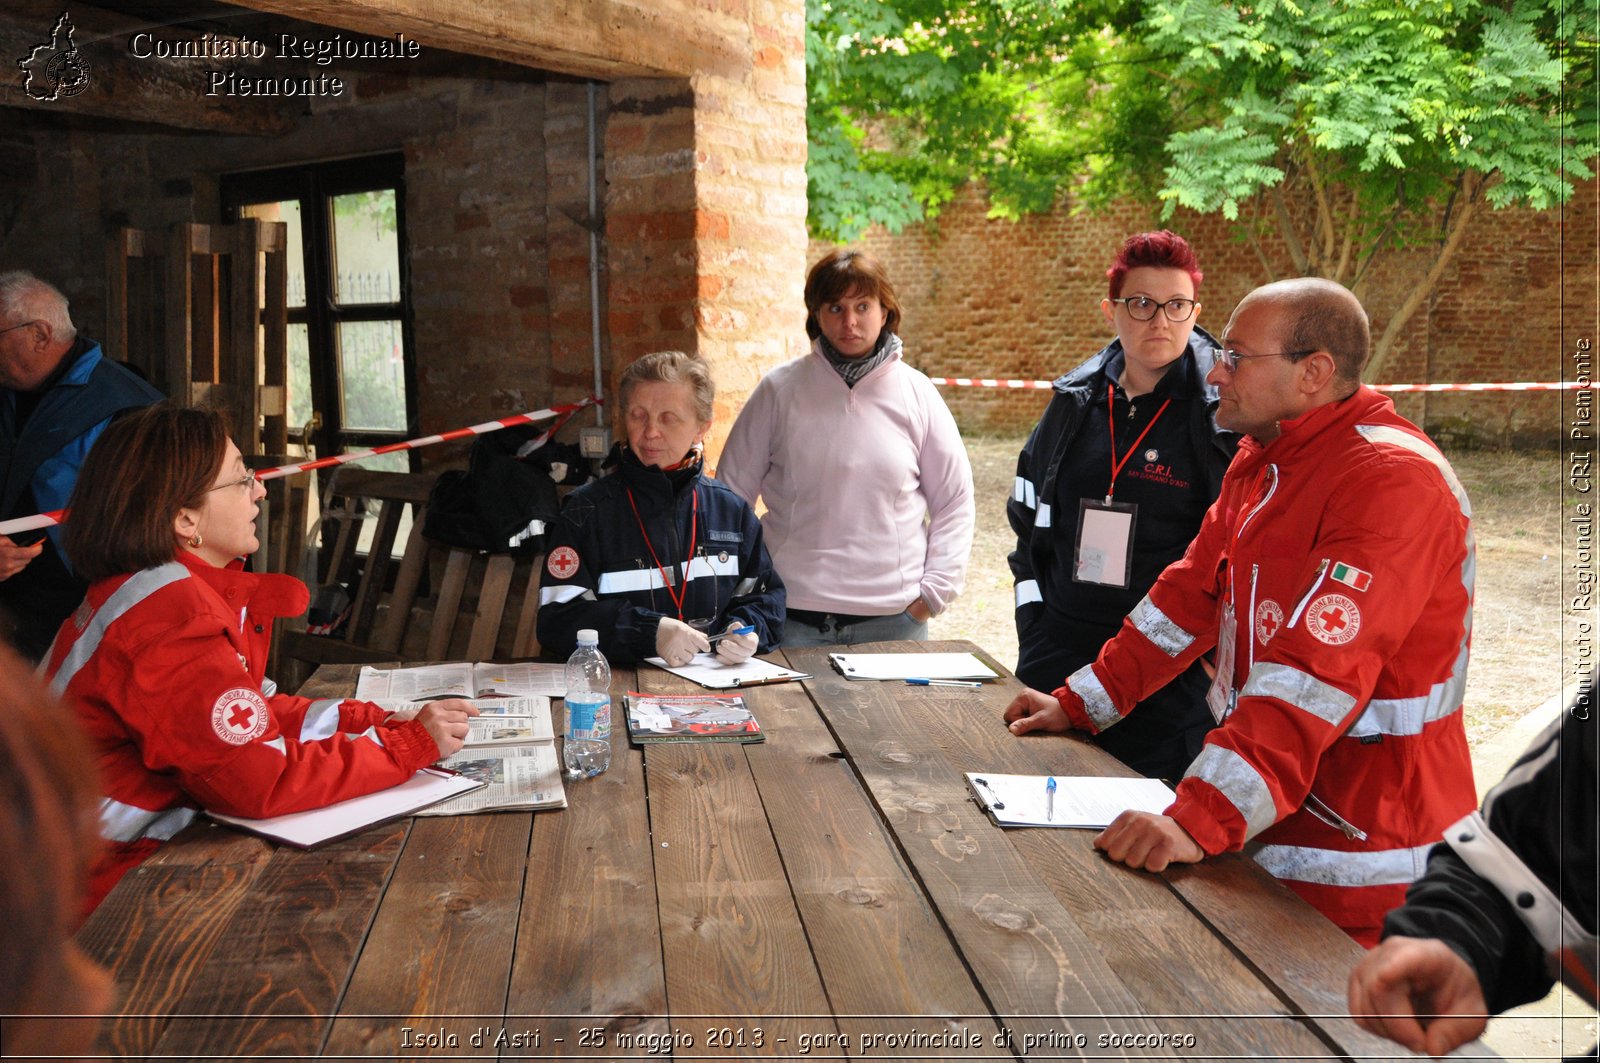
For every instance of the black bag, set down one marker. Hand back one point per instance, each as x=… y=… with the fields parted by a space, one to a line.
x=502 y=503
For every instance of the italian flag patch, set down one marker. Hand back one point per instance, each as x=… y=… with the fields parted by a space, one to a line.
x=1351 y=576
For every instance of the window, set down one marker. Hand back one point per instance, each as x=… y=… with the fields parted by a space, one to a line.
x=352 y=370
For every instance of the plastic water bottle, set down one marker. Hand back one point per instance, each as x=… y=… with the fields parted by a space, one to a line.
x=586 y=748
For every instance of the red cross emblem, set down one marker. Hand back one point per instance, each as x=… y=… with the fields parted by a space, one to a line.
x=1269 y=619
x=1333 y=619
x=239 y=715
x=562 y=562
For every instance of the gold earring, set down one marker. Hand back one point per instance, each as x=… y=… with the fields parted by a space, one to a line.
x=196 y=541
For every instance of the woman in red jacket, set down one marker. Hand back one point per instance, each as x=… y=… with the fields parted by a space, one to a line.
x=164 y=660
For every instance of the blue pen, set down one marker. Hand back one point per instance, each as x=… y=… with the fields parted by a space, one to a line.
x=944 y=683
x=744 y=630
x=1050 y=799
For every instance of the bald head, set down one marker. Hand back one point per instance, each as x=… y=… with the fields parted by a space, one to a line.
x=1320 y=315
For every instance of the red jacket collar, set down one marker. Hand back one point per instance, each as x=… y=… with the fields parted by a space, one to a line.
x=264 y=594
x=1298 y=434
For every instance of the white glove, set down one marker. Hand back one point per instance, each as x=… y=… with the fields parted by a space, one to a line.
x=736 y=648
x=677 y=642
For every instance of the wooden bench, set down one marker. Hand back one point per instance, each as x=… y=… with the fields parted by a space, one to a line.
x=437 y=602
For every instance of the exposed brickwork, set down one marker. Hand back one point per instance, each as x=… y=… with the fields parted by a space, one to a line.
x=987 y=298
x=702 y=211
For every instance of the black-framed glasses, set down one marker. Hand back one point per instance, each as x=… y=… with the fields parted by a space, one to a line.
x=246 y=482
x=13 y=328
x=1143 y=308
x=1229 y=358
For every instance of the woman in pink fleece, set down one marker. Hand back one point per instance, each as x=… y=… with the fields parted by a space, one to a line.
x=868 y=490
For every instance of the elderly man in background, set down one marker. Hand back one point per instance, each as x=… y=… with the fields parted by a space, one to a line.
x=57 y=393
x=1334 y=578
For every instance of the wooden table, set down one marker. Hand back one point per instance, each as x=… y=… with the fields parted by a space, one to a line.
x=829 y=893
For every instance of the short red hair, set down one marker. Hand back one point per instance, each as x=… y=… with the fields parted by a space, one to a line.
x=1160 y=249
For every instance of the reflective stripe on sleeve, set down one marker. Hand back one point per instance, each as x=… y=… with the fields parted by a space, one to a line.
x=1301 y=689
x=268 y=687
x=1336 y=867
x=564 y=592
x=127 y=823
x=1156 y=626
x=1394 y=437
x=744 y=587
x=1022 y=491
x=1041 y=518
x=371 y=732
x=1239 y=781
x=1408 y=716
x=1096 y=702
x=281 y=744
x=134 y=590
x=1027 y=592
x=321 y=719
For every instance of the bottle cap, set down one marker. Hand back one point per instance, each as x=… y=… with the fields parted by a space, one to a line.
x=588 y=636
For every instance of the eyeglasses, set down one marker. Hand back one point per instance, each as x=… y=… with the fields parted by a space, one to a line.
x=13 y=328
x=1229 y=358
x=1143 y=308
x=246 y=482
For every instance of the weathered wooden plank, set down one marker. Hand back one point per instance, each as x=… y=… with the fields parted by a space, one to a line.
x=736 y=952
x=153 y=937
x=1031 y=954
x=605 y=39
x=125 y=86
x=275 y=976
x=889 y=966
x=436 y=965
x=588 y=938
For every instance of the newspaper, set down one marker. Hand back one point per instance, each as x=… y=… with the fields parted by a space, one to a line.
x=461 y=679
x=511 y=749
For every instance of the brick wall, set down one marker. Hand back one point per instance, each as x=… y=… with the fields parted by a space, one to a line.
x=986 y=298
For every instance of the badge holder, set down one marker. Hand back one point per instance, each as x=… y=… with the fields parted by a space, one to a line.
x=1104 y=553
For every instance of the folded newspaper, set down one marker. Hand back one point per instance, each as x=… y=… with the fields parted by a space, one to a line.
x=511 y=749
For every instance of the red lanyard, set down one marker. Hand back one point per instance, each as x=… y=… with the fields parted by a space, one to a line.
x=1111 y=419
x=666 y=577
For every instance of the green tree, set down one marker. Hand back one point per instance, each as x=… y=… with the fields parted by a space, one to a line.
x=1344 y=130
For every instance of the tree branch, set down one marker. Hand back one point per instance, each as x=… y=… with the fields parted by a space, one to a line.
x=1349 y=242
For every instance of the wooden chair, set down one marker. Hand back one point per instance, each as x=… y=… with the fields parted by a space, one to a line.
x=442 y=603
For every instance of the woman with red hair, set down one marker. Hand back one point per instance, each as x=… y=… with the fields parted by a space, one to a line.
x=1111 y=487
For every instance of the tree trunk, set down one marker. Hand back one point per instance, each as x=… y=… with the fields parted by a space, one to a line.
x=1421 y=290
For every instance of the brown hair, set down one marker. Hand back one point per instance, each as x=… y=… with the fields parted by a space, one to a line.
x=48 y=840
x=841 y=272
x=671 y=367
x=144 y=468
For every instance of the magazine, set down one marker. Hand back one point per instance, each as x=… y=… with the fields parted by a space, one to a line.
x=462 y=679
x=691 y=718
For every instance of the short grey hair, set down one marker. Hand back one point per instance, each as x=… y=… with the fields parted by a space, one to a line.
x=672 y=367
x=27 y=298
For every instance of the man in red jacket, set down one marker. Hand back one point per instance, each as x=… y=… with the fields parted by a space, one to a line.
x=1333 y=577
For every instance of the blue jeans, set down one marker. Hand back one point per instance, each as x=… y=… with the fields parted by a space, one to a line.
x=896 y=627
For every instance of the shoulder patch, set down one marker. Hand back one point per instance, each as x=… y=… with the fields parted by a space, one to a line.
x=239 y=716
x=1334 y=619
x=562 y=562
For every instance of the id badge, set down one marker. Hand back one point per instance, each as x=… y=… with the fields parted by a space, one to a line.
x=1221 y=697
x=1104 y=554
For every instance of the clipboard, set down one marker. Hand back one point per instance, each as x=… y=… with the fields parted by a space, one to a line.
x=715 y=674
x=910 y=665
x=1085 y=802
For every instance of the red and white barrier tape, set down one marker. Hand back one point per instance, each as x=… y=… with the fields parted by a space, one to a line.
x=45 y=520
x=1044 y=385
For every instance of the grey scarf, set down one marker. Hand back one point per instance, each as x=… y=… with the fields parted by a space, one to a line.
x=853 y=369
